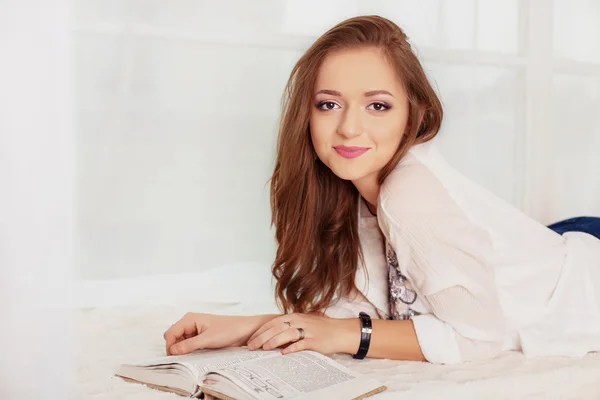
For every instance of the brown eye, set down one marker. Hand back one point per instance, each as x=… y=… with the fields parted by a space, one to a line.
x=327 y=106
x=379 y=107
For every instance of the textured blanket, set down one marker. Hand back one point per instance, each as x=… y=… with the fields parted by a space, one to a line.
x=111 y=336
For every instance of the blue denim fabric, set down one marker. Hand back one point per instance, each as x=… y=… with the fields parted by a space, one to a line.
x=589 y=225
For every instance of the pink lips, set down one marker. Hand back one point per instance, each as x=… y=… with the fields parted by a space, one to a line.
x=351 y=152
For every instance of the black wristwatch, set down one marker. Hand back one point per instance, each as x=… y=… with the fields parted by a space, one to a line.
x=365 y=335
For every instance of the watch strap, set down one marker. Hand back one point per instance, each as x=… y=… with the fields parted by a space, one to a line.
x=365 y=335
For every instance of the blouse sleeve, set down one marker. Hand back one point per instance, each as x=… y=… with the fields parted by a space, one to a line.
x=446 y=264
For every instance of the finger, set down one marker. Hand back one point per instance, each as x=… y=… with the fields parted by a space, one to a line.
x=297 y=346
x=285 y=337
x=173 y=335
x=177 y=329
x=185 y=326
x=261 y=339
x=269 y=325
x=188 y=345
x=264 y=328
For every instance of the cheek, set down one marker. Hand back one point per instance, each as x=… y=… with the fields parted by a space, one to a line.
x=388 y=135
x=319 y=134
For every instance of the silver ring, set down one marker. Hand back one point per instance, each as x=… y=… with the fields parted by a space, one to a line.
x=288 y=323
x=301 y=332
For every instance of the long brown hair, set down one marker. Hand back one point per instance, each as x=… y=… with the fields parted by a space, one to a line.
x=314 y=212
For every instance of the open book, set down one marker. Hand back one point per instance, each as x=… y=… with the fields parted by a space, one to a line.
x=240 y=374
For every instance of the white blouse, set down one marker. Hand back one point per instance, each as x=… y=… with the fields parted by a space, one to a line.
x=487 y=277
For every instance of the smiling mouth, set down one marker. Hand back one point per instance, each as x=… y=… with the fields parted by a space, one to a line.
x=351 y=152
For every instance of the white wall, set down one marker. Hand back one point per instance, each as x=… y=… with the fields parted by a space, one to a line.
x=177 y=105
x=36 y=200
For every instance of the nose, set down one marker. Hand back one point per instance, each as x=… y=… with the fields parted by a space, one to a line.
x=350 y=124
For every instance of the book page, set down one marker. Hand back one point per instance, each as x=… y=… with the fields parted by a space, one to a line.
x=203 y=361
x=303 y=375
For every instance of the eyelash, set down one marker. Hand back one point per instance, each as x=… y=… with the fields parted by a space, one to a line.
x=380 y=103
x=385 y=106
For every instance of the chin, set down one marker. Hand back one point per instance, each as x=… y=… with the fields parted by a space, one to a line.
x=349 y=174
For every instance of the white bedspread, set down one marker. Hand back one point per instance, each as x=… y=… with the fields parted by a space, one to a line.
x=111 y=336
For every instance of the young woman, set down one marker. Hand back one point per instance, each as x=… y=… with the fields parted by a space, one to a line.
x=370 y=219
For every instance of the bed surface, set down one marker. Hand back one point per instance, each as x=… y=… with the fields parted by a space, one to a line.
x=108 y=337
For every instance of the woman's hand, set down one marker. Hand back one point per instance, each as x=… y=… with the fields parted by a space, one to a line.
x=321 y=334
x=207 y=331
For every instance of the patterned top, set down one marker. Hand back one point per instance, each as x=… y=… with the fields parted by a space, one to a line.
x=402 y=296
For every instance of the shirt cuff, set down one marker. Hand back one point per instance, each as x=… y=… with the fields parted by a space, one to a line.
x=437 y=340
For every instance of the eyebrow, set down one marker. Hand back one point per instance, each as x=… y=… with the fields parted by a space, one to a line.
x=376 y=92
x=367 y=94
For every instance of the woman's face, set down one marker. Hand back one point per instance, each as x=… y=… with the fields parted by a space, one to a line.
x=359 y=113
